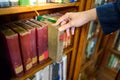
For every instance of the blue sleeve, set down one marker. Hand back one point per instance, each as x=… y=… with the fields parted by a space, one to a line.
x=109 y=16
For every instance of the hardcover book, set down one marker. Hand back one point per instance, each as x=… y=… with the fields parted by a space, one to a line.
x=42 y=40
x=32 y=40
x=13 y=2
x=11 y=50
x=24 y=40
x=4 y=3
x=24 y=2
x=55 y=42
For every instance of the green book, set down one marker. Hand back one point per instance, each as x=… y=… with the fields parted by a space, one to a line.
x=24 y=2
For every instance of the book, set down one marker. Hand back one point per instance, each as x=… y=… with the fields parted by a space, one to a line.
x=24 y=2
x=11 y=49
x=64 y=67
x=4 y=3
x=55 y=68
x=33 y=2
x=41 y=50
x=57 y=1
x=32 y=40
x=55 y=43
x=24 y=40
x=42 y=40
x=39 y=2
x=55 y=39
x=13 y=2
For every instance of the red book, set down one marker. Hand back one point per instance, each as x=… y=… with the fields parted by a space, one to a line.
x=42 y=54
x=44 y=34
x=10 y=44
x=25 y=46
x=33 y=40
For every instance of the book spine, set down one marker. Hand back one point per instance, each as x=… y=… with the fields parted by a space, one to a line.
x=13 y=2
x=34 y=47
x=33 y=2
x=64 y=67
x=24 y=2
x=45 y=41
x=60 y=46
x=26 y=51
x=14 y=51
x=4 y=3
x=40 y=46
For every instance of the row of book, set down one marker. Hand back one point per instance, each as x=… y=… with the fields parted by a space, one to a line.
x=54 y=71
x=91 y=46
x=25 y=44
x=114 y=62
x=7 y=3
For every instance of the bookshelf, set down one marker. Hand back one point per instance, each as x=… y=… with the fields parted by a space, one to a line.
x=43 y=6
x=89 y=44
x=110 y=60
x=21 y=13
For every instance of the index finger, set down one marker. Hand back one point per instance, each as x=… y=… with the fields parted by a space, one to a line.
x=61 y=19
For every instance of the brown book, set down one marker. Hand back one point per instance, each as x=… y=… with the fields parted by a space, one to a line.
x=32 y=39
x=11 y=49
x=55 y=42
x=24 y=40
x=41 y=40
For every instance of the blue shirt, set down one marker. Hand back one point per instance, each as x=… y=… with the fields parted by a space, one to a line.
x=109 y=16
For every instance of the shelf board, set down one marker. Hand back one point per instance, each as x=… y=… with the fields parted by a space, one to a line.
x=35 y=69
x=86 y=65
x=68 y=50
x=44 y=6
x=115 y=51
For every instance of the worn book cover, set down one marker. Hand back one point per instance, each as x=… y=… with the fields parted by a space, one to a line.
x=42 y=40
x=11 y=50
x=55 y=38
x=32 y=40
x=25 y=46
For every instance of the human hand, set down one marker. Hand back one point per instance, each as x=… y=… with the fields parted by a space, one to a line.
x=75 y=19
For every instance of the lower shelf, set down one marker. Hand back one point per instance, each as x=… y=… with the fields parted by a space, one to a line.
x=35 y=69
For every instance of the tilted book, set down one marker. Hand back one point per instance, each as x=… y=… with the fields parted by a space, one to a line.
x=25 y=46
x=32 y=40
x=11 y=50
x=42 y=40
x=55 y=39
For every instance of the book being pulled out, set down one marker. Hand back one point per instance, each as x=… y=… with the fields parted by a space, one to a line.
x=55 y=39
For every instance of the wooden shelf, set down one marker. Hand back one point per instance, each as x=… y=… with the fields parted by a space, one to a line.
x=40 y=66
x=68 y=50
x=115 y=51
x=35 y=69
x=86 y=65
x=44 y=6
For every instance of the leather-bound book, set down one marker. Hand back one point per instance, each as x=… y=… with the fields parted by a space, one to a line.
x=25 y=46
x=10 y=51
x=32 y=39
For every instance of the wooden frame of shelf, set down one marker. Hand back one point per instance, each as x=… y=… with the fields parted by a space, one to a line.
x=21 y=9
x=115 y=51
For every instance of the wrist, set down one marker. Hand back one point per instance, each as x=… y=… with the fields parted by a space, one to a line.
x=92 y=14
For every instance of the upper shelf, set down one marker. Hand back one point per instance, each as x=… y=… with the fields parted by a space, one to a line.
x=44 y=6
